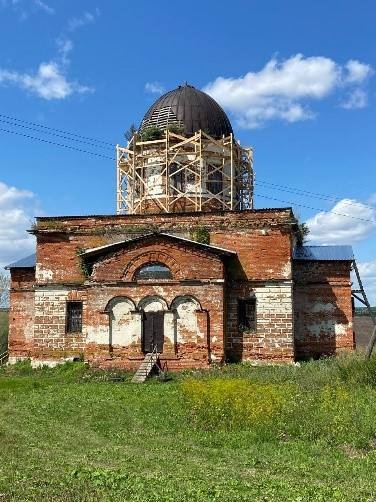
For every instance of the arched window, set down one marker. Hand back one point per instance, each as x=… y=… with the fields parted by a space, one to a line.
x=152 y=270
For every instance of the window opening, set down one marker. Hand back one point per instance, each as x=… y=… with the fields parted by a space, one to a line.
x=155 y=270
x=247 y=314
x=74 y=317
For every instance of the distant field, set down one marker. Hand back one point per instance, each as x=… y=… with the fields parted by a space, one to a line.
x=363 y=327
x=3 y=331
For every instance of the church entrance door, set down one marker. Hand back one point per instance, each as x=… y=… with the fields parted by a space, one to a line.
x=153 y=331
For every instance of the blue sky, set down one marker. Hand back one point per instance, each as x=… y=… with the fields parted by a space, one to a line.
x=296 y=78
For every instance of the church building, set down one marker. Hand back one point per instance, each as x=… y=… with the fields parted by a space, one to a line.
x=187 y=267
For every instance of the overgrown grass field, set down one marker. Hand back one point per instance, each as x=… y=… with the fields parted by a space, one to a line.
x=278 y=433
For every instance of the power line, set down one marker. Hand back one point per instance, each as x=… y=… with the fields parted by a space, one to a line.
x=35 y=124
x=306 y=193
x=315 y=208
x=89 y=141
x=56 y=144
x=54 y=134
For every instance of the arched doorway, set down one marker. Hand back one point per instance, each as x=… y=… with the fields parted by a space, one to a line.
x=153 y=309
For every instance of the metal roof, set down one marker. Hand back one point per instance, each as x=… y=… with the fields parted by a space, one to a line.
x=324 y=253
x=27 y=262
x=189 y=108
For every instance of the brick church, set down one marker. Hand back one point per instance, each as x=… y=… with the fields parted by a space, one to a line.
x=187 y=267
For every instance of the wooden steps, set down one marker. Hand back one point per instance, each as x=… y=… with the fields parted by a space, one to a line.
x=146 y=367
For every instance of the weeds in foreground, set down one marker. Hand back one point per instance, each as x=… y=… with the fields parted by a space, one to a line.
x=332 y=400
x=276 y=434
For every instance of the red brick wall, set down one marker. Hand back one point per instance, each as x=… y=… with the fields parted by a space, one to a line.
x=273 y=338
x=261 y=238
x=51 y=340
x=262 y=254
x=184 y=261
x=323 y=309
x=21 y=312
x=262 y=268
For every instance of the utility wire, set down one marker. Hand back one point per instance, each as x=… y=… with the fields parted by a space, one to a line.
x=56 y=144
x=94 y=140
x=54 y=134
x=91 y=142
x=314 y=208
x=96 y=144
x=305 y=193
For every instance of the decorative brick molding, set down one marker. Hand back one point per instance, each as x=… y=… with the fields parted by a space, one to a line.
x=152 y=256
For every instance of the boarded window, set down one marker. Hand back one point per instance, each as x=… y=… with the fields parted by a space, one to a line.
x=247 y=314
x=74 y=317
x=152 y=271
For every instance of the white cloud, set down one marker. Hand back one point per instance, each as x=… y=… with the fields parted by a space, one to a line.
x=24 y=8
x=283 y=90
x=154 y=88
x=357 y=72
x=356 y=99
x=64 y=48
x=17 y=208
x=43 y=6
x=347 y=222
x=86 y=18
x=48 y=82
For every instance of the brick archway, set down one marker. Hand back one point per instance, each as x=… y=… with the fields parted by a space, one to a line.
x=151 y=256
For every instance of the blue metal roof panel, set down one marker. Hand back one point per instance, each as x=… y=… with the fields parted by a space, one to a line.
x=27 y=262
x=324 y=253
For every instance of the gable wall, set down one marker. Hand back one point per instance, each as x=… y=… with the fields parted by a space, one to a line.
x=262 y=240
x=184 y=262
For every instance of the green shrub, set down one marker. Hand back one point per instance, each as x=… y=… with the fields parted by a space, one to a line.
x=151 y=133
x=200 y=234
x=177 y=128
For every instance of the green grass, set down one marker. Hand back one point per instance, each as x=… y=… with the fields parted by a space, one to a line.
x=3 y=331
x=238 y=433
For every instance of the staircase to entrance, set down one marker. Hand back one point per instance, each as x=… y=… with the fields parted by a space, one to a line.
x=146 y=367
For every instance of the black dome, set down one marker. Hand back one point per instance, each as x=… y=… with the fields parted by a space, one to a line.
x=191 y=109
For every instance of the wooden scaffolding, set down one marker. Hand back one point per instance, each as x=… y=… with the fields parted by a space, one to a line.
x=177 y=173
